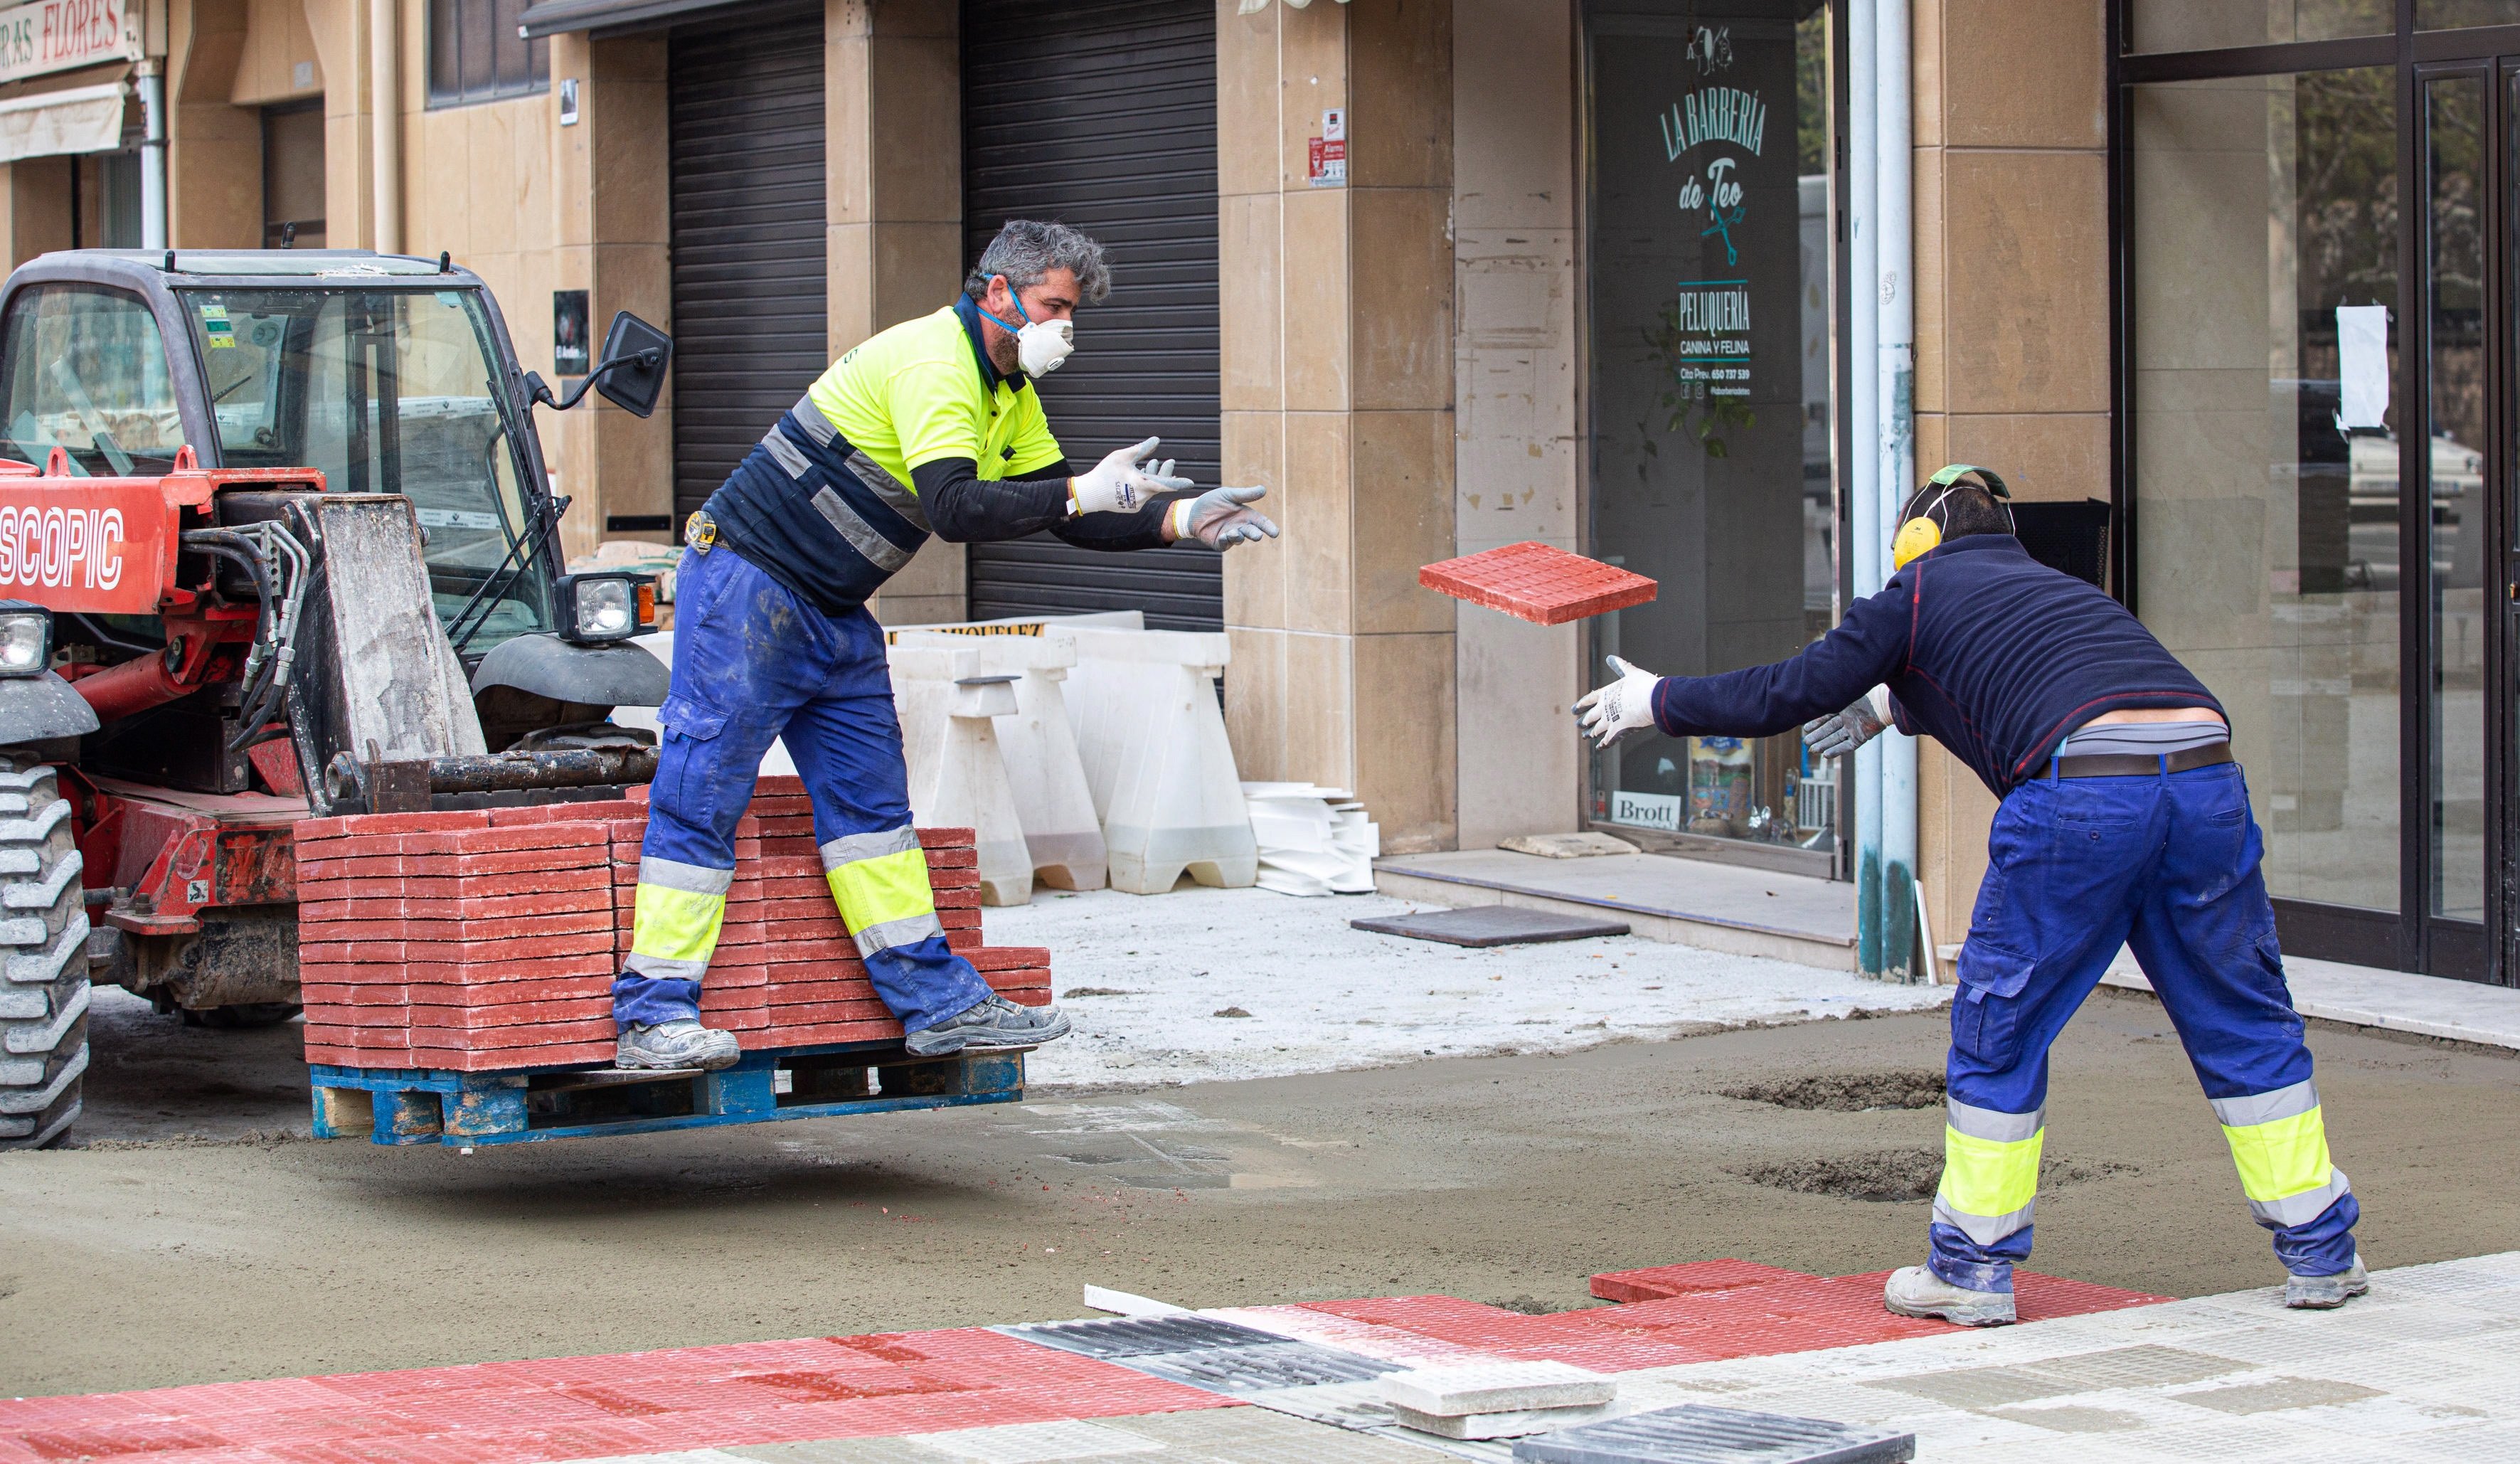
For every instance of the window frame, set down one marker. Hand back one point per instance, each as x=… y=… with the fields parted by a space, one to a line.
x=445 y=22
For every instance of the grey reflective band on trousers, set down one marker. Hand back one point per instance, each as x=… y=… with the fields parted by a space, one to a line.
x=1990 y=1126
x=909 y=930
x=2265 y=1108
x=880 y=552
x=661 y=968
x=1985 y=1229
x=849 y=848
x=692 y=878
x=2304 y=1208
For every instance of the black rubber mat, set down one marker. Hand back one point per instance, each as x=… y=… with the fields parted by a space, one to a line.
x=1701 y=1435
x=1492 y=925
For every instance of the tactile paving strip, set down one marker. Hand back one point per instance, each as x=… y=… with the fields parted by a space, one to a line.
x=1202 y=1353
x=1697 y=1434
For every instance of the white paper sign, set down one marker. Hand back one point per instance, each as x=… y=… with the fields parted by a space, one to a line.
x=2363 y=365
x=1646 y=810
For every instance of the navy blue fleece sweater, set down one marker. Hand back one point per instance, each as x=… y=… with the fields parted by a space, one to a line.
x=1984 y=649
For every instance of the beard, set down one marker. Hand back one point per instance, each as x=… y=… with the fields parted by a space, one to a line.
x=1004 y=353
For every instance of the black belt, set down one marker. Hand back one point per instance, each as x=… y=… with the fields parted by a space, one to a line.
x=2136 y=766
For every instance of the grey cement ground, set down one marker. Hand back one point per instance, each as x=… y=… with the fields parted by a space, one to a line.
x=1496 y=1180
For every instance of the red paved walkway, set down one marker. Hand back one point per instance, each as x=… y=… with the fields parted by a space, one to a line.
x=915 y=1382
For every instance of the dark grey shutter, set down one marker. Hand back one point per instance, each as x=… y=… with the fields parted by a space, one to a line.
x=746 y=108
x=1102 y=113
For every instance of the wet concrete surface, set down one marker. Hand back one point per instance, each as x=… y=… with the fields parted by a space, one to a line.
x=187 y=1244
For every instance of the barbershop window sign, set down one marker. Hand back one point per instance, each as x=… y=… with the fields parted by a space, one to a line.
x=1715 y=137
x=60 y=35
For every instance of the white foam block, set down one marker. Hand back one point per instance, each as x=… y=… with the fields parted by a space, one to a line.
x=1513 y=1424
x=1496 y=1387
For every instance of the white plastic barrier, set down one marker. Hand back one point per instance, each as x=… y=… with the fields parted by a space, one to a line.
x=1151 y=737
x=949 y=706
x=1060 y=831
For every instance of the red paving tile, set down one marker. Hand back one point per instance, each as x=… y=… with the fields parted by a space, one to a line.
x=899 y=1383
x=1532 y=581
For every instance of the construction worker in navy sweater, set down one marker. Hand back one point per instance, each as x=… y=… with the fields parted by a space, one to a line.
x=2124 y=821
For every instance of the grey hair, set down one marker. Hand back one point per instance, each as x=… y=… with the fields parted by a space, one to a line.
x=1026 y=249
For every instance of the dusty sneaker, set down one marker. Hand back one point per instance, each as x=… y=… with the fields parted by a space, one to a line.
x=994 y=1022
x=1915 y=1290
x=681 y=1043
x=2326 y=1293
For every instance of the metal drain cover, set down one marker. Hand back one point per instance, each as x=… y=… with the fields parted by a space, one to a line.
x=1697 y=1434
x=1202 y=1353
x=1492 y=925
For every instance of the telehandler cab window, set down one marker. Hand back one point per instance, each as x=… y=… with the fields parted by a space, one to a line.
x=86 y=371
x=385 y=391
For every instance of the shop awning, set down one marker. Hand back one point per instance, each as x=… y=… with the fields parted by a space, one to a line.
x=46 y=124
x=551 y=17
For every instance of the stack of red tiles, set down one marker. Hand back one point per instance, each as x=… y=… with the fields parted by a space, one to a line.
x=1532 y=581
x=546 y=895
x=442 y=941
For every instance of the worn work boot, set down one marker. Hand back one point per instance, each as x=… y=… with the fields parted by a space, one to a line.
x=680 y=1044
x=1915 y=1290
x=994 y=1022
x=2326 y=1293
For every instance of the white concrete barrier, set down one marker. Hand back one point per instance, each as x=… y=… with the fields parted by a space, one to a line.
x=1152 y=742
x=1056 y=809
x=949 y=705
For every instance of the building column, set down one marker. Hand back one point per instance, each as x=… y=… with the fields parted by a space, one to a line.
x=612 y=191
x=892 y=81
x=1338 y=354
x=2013 y=319
x=35 y=193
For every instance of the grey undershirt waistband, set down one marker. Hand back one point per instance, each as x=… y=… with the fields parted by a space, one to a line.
x=2140 y=739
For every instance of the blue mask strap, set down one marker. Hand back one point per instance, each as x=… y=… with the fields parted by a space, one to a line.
x=1020 y=311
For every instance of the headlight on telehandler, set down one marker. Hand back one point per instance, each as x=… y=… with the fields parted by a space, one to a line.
x=26 y=639
x=595 y=608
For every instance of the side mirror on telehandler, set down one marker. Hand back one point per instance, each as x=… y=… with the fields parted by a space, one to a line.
x=631 y=373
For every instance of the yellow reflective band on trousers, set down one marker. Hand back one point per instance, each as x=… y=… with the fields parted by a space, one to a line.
x=1989 y=1185
x=2282 y=1158
x=675 y=932
x=879 y=882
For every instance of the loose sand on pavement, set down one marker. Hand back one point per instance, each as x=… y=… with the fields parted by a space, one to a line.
x=1501 y=1180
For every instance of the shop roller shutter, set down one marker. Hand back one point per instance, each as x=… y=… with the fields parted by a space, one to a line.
x=1102 y=113
x=746 y=138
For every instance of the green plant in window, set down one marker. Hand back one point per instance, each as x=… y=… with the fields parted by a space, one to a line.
x=1691 y=408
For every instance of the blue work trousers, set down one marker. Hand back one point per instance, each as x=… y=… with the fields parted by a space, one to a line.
x=2168 y=864
x=754 y=662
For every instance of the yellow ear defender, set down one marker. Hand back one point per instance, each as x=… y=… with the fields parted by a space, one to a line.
x=1920 y=534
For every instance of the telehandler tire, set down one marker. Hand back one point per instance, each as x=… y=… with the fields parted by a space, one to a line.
x=43 y=958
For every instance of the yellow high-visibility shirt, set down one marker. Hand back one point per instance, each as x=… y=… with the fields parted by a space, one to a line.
x=914 y=394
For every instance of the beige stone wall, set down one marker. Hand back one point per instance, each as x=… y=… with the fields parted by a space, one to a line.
x=1518 y=443
x=35 y=208
x=2013 y=289
x=1338 y=352
x=893 y=80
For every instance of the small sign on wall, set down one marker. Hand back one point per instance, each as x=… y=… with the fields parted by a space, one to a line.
x=1327 y=166
x=568 y=333
x=568 y=100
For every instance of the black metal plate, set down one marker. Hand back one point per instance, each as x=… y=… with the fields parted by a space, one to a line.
x=1492 y=925
x=1202 y=1353
x=1697 y=1434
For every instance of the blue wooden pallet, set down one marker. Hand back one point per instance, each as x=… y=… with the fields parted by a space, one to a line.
x=527 y=1105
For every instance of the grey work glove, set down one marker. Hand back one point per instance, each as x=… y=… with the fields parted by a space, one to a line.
x=1222 y=518
x=1842 y=732
x=1609 y=712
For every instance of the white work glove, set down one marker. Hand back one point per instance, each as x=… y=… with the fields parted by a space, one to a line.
x=1118 y=484
x=1609 y=712
x=1222 y=518
x=1842 y=732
